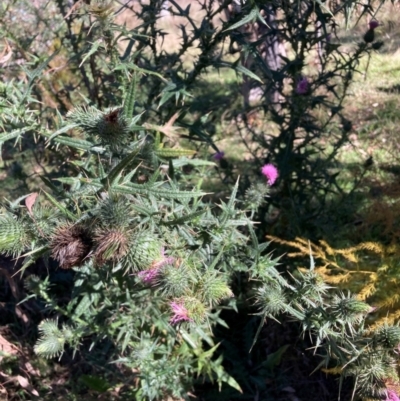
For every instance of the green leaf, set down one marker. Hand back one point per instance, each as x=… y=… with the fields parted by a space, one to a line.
x=133 y=189
x=239 y=68
x=186 y=218
x=95 y=383
x=129 y=102
x=61 y=131
x=93 y=49
x=114 y=174
x=230 y=208
x=174 y=152
x=127 y=66
x=31 y=257
x=191 y=162
x=68 y=180
x=252 y=16
x=189 y=339
x=60 y=207
x=275 y=358
x=13 y=134
x=224 y=377
x=75 y=143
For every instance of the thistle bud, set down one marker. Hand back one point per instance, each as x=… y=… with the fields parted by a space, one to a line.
x=388 y=336
x=369 y=36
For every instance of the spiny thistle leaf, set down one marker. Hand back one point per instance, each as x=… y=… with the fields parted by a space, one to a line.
x=174 y=152
x=130 y=96
x=60 y=207
x=51 y=342
x=143 y=189
x=114 y=174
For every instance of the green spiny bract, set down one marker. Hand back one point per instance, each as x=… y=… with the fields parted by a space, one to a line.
x=387 y=336
x=113 y=211
x=14 y=235
x=196 y=309
x=213 y=287
x=372 y=369
x=43 y=220
x=177 y=280
x=255 y=195
x=144 y=249
x=348 y=309
x=271 y=299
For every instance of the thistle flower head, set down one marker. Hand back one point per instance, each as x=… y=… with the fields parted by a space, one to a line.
x=70 y=245
x=392 y=396
x=110 y=126
x=373 y=24
x=270 y=172
x=302 y=86
x=163 y=260
x=111 y=245
x=150 y=275
x=180 y=313
x=219 y=156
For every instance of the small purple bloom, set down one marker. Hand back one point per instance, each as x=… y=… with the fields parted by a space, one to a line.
x=181 y=314
x=270 y=172
x=219 y=156
x=164 y=260
x=329 y=38
x=302 y=86
x=373 y=24
x=392 y=396
x=150 y=275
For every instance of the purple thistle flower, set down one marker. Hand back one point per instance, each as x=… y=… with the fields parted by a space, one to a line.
x=270 y=172
x=181 y=314
x=150 y=275
x=392 y=396
x=164 y=260
x=373 y=24
x=302 y=86
x=219 y=156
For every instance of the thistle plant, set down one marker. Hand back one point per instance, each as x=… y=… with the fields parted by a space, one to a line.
x=152 y=263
